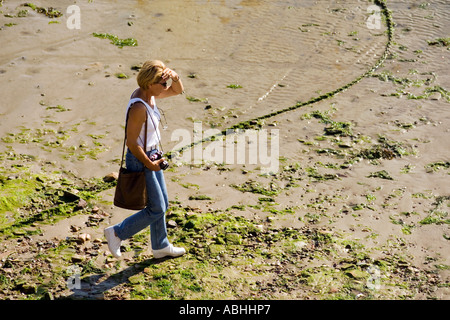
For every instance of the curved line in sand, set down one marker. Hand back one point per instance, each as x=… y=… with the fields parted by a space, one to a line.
x=253 y=122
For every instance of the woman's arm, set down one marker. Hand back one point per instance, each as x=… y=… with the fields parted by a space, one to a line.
x=177 y=86
x=136 y=118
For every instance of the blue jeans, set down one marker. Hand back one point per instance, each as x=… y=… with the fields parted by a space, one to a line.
x=154 y=214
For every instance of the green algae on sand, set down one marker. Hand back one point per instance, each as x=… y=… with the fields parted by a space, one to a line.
x=130 y=42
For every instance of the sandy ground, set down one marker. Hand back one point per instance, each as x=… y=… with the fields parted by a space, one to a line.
x=279 y=53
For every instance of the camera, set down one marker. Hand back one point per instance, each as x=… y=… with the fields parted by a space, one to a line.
x=158 y=155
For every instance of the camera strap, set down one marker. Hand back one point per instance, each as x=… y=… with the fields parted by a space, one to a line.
x=156 y=131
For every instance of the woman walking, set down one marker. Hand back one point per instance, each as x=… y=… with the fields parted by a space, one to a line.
x=152 y=81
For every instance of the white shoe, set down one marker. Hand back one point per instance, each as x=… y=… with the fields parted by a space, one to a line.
x=170 y=250
x=113 y=241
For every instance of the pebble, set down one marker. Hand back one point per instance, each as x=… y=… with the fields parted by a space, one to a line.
x=81 y=204
x=172 y=224
x=109 y=260
x=435 y=96
x=74 y=228
x=77 y=258
x=84 y=237
x=110 y=177
x=28 y=288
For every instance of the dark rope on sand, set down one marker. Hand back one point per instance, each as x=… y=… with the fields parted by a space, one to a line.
x=254 y=123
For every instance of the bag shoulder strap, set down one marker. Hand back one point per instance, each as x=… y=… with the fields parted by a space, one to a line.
x=126 y=125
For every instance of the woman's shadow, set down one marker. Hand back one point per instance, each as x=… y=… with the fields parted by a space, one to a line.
x=93 y=287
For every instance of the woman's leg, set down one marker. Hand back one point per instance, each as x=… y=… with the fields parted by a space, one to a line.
x=154 y=214
x=157 y=206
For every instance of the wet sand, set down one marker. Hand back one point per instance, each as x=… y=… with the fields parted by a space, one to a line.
x=63 y=103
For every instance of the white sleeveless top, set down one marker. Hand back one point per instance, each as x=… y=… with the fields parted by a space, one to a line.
x=153 y=118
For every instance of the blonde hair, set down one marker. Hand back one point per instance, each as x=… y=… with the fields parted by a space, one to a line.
x=150 y=73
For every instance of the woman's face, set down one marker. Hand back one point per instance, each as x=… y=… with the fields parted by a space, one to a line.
x=157 y=88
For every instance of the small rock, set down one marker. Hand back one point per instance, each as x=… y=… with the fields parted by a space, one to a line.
x=109 y=260
x=135 y=279
x=84 y=237
x=356 y=274
x=76 y=258
x=136 y=67
x=172 y=224
x=74 y=228
x=28 y=288
x=435 y=96
x=70 y=196
x=216 y=249
x=300 y=244
x=19 y=232
x=111 y=177
x=260 y=227
x=81 y=204
x=233 y=238
x=148 y=270
x=49 y=296
x=104 y=214
x=334 y=290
